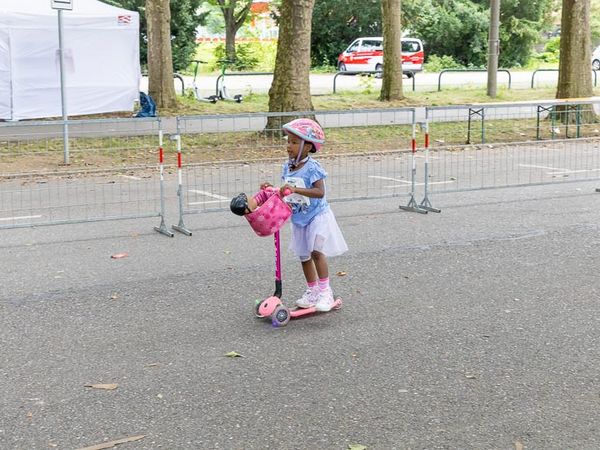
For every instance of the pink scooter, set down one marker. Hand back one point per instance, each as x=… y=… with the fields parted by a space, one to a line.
x=273 y=308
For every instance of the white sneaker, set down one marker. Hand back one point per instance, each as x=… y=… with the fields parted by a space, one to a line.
x=309 y=298
x=325 y=301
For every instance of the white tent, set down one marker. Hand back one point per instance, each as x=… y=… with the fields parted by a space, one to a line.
x=101 y=55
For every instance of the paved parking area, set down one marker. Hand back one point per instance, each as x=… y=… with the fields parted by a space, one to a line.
x=476 y=328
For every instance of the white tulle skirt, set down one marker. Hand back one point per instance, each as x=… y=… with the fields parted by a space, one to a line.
x=322 y=235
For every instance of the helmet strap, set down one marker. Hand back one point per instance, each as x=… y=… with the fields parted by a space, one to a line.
x=295 y=163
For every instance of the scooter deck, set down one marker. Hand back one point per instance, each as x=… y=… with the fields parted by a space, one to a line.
x=299 y=312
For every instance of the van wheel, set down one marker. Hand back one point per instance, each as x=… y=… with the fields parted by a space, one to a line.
x=342 y=67
x=596 y=64
x=409 y=75
x=379 y=67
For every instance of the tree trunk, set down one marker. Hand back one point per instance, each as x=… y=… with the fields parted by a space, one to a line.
x=290 y=90
x=391 y=86
x=233 y=22
x=160 y=59
x=574 y=69
x=230 y=32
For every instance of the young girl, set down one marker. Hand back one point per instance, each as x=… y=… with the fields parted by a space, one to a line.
x=315 y=233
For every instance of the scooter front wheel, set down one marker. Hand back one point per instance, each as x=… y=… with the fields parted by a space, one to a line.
x=281 y=316
x=256 y=308
x=267 y=307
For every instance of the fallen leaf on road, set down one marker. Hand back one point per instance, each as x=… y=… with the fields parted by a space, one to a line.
x=518 y=445
x=233 y=355
x=341 y=274
x=108 y=387
x=114 y=296
x=356 y=447
x=119 y=255
x=111 y=444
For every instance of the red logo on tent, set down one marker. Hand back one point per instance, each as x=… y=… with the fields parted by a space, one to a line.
x=123 y=20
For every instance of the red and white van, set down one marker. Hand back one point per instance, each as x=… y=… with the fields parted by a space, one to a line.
x=366 y=54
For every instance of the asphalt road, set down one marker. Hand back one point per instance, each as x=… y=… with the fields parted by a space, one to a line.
x=476 y=328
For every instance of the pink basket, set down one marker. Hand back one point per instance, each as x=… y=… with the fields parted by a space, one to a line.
x=270 y=216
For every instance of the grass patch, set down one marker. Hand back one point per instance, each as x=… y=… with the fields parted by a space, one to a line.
x=128 y=151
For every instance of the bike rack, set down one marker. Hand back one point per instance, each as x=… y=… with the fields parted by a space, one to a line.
x=366 y=72
x=470 y=70
x=556 y=70
x=237 y=74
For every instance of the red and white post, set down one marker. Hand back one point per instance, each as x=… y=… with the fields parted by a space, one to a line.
x=412 y=204
x=425 y=203
x=181 y=225
x=162 y=228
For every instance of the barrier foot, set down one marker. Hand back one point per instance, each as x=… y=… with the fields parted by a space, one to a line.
x=412 y=206
x=162 y=228
x=426 y=205
x=181 y=228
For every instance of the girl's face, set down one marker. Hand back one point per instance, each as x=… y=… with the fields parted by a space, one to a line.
x=293 y=146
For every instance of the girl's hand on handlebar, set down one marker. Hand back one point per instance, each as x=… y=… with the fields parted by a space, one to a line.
x=265 y=185
x=286 y=189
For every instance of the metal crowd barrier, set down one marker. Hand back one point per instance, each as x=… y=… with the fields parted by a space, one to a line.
x=126 y=168
x=109 y=177
x=500 y=122
x=356 y=170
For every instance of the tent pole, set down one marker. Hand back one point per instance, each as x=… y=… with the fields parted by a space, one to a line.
x=63 y=94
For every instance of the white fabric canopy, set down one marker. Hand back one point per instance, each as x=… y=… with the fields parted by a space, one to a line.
x=101 y=55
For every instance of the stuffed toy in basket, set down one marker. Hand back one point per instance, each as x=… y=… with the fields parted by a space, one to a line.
x=270 y=216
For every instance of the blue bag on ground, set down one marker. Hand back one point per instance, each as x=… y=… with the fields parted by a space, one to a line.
x=147 y=106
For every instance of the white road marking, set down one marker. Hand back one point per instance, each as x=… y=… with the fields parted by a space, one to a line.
x=542 y=167
x=408 y=182
x=558 y=170
x=388 y=178
x=204 y=203
x=20 y=218
x=131 y=177
x=564 y=172
x=207 y=194
x=422 y=184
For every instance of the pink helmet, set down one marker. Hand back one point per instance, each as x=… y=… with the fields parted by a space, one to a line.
x=307 y=129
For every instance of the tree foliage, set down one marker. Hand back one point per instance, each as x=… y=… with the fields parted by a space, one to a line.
x=235 y=13
x=336 y=23
x=456 y=28
x=184 y=21
x=521 y=23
